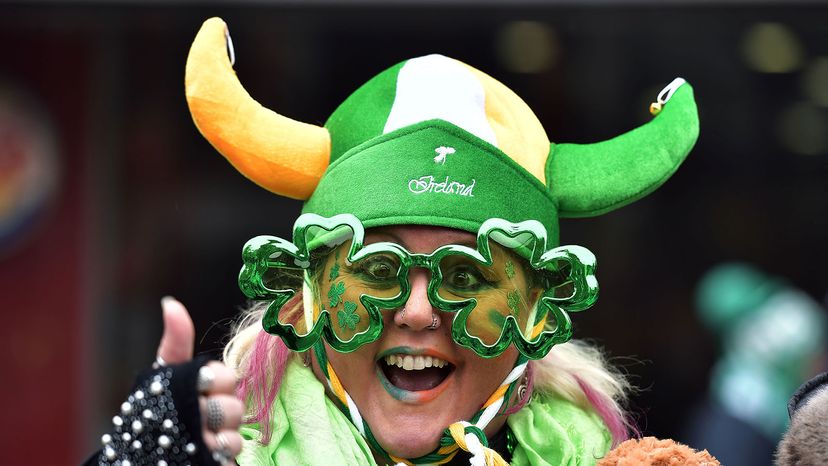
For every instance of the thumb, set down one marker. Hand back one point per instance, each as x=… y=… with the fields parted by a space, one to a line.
x=179 y=333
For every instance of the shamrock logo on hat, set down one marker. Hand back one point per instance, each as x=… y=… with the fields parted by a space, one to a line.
x=442 y=153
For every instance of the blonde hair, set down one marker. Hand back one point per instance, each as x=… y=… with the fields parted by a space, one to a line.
x=578 y=372
x=238 y=350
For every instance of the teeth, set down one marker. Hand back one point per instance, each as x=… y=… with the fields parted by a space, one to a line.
x=413 y=363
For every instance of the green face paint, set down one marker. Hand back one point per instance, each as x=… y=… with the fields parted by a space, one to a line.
x=347 y=317
x=513 y=301
x=335 y=293
x=496 y=318
x=510 y=269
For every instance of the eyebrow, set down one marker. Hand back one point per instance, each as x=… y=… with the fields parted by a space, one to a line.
x=393 y=237
x=471 y=243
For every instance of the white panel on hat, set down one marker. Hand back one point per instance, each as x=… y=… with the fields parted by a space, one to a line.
x=437 y=87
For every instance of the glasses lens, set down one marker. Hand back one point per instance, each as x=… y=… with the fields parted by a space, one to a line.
x=508 y=287
x=304 y=278
x=342 y=285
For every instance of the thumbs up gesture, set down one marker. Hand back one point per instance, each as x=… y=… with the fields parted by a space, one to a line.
x=221 y=412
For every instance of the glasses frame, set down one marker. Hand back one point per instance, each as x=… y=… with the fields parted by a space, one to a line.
x=263 y=253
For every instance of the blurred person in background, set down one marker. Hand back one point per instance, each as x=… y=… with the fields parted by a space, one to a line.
x=772 y=337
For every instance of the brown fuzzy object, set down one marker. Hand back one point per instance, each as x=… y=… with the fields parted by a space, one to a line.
x=650 y=451
x=804 y=444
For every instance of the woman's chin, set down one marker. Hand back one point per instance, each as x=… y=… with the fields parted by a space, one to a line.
x=412 y=429
x=411 y=423
x=411 y=443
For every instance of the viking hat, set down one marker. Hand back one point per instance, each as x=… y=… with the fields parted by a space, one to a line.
x=431 y=141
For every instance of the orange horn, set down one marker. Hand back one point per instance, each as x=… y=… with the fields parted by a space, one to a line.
x=282 y=155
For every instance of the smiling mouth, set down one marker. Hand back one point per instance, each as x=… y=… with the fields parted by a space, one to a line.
x=415 y=373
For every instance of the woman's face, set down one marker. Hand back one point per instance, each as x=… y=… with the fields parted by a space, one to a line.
x=414 y=381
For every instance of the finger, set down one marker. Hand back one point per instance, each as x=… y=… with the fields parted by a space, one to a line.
x=179 y=333
x=232 y=438
x=232 y=410
x=224 y=380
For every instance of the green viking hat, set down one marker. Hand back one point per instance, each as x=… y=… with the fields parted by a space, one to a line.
x=432 y=141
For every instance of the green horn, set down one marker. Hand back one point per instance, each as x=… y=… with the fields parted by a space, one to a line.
x=591 y=179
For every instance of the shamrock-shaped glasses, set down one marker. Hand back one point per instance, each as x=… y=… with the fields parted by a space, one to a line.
x=509 y=289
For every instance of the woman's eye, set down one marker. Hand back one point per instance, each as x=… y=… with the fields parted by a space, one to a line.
x=381 y=269
x=464 y=278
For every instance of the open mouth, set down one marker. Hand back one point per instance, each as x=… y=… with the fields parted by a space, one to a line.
x=409 y=377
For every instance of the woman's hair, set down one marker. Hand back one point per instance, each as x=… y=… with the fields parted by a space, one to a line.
x=578 y=372
x=259 y=360
x=575 y=371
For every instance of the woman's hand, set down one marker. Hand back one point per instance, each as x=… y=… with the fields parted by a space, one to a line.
x=221 y=411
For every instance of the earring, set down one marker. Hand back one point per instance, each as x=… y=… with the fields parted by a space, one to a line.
x=306 y=359
x=523 y=392
x=522 y=389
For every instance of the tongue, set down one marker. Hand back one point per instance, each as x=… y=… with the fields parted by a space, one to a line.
x=414 y=381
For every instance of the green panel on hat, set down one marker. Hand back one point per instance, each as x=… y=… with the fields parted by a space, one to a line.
x=363 y=114
x=398 y=178
x=592 y=179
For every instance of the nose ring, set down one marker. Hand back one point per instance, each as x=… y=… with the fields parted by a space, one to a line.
x=435 y=321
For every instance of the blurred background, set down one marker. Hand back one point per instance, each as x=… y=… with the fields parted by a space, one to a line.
x=110 y=199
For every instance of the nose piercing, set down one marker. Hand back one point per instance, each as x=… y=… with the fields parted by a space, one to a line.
x=402 y=313
x=435 y=321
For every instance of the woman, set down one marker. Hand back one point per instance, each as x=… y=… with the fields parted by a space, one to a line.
x=412 y=317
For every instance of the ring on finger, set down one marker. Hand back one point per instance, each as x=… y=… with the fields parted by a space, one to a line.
x=222 y=454
x=215 y=414
x=206 y=377
x=159 y=362
x=222 y=442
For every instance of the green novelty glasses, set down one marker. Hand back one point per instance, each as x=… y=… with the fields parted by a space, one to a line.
x=508 y=290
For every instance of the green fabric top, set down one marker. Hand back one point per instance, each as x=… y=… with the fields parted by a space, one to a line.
x=308 y=429
x=554 y=432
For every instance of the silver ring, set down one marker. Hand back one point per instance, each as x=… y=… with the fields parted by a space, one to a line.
x=223 y=443
x=159 y=362
x=402 y=313
x=435 y=321
x=206 y=377
x=215 y=414
x=222 y=454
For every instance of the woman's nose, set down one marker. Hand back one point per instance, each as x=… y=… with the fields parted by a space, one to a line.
x=417 y=313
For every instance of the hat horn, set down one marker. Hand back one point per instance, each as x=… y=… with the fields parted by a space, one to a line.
x=282 y=155
x=591 y=179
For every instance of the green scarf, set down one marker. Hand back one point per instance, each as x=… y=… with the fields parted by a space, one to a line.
x=309 y=429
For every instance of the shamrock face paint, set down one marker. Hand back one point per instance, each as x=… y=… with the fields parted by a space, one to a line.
x=344 y=283
x=508 y=289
